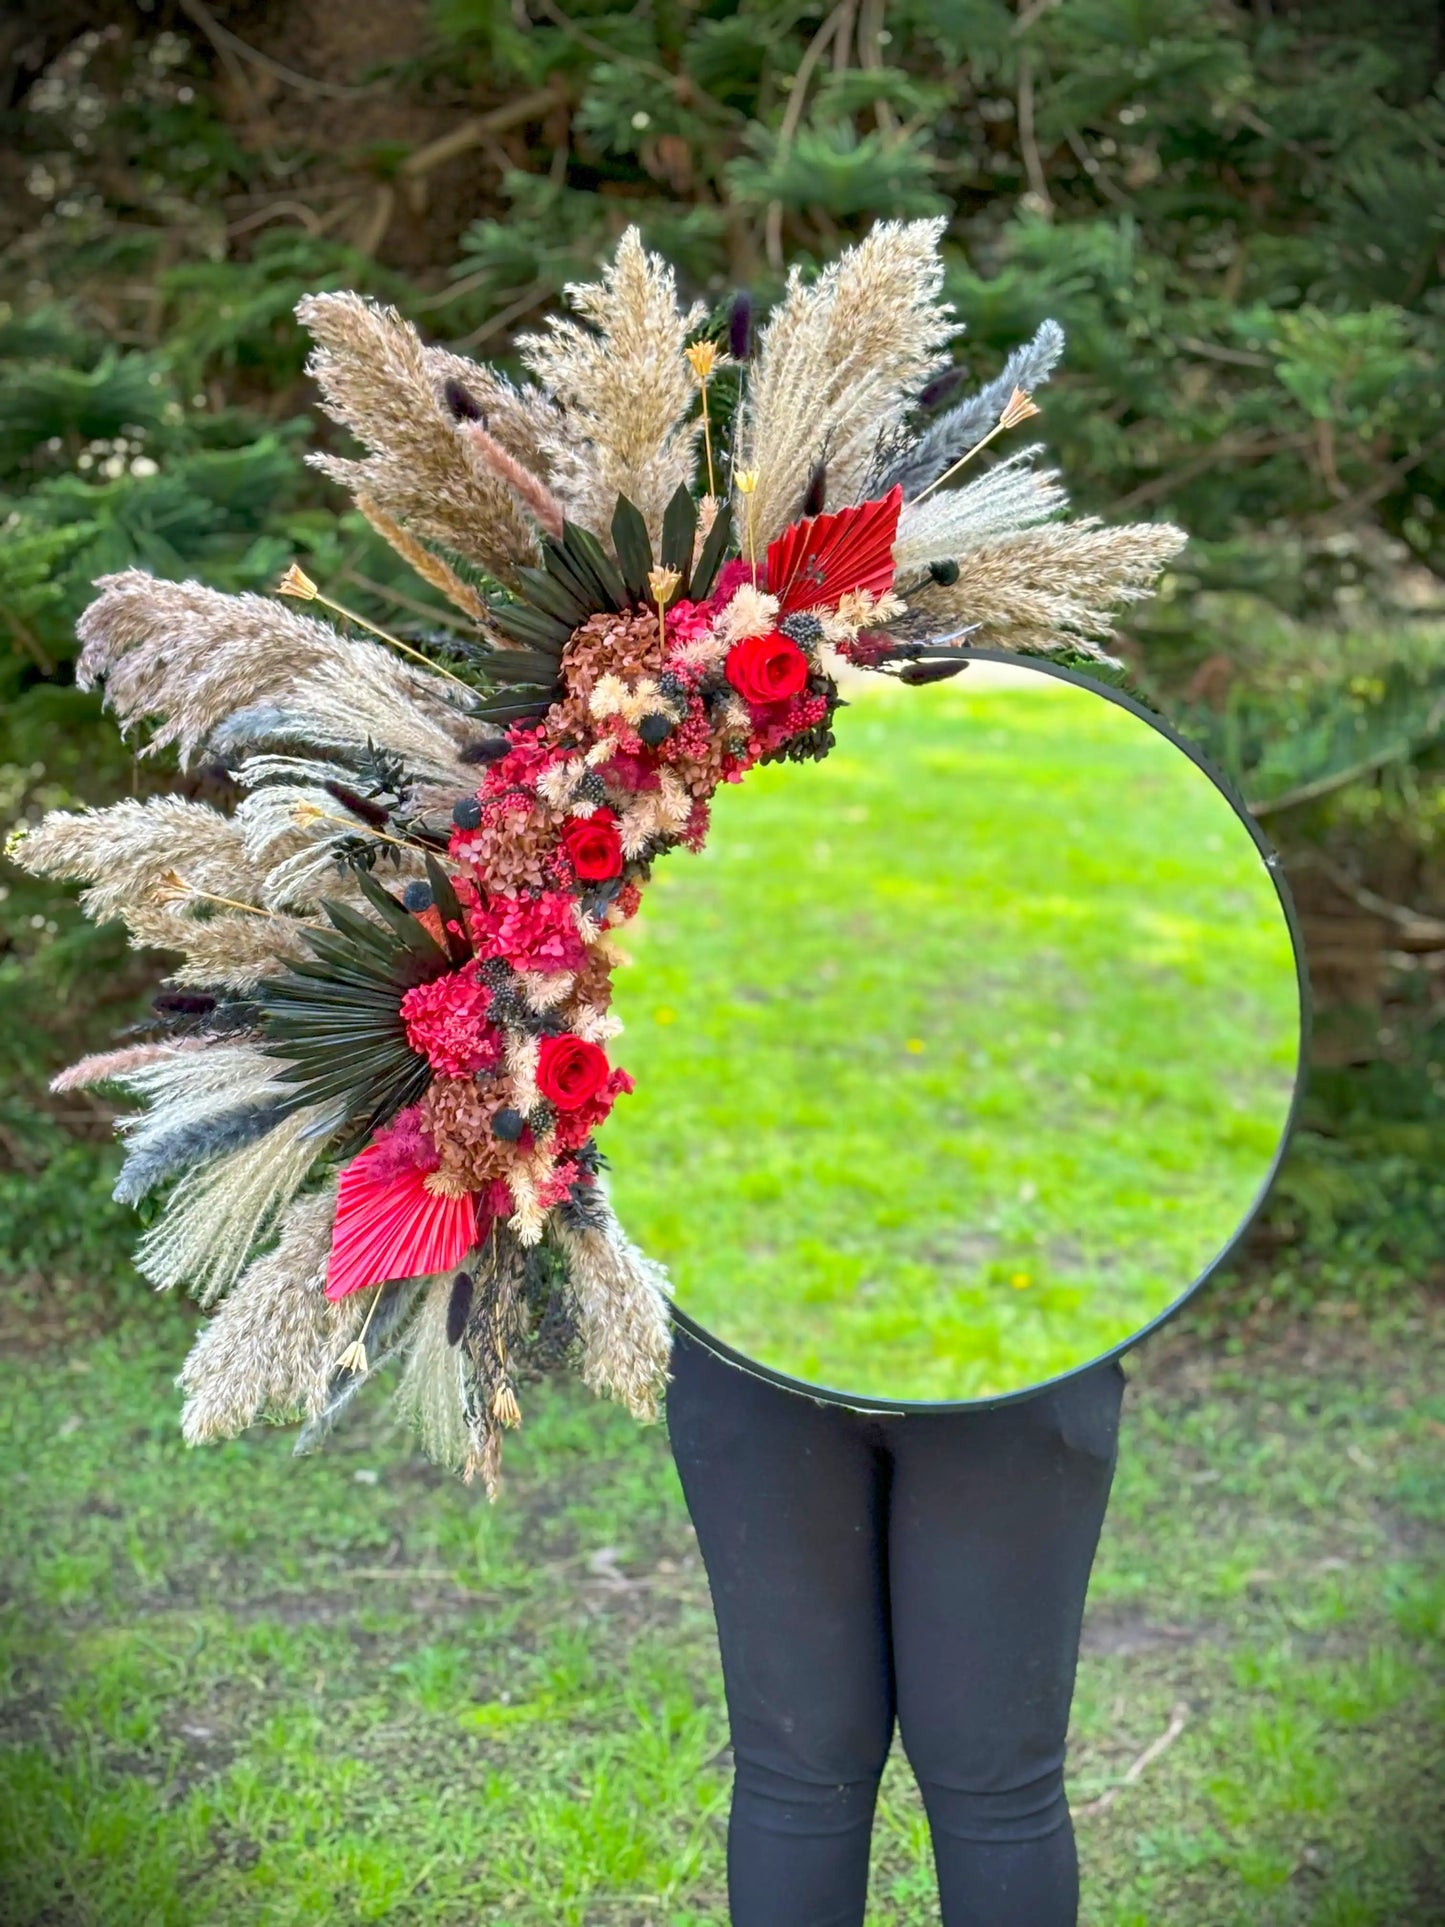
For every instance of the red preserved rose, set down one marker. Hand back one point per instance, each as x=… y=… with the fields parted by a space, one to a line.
x=594 y=846
x=570 y=1071
x=767 y=669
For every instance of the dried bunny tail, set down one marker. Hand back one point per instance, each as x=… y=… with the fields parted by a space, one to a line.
x=232 y=950
x=838 y=365
x=625 y=389
x=192 y=656
x=622 y=1315
x=431 y=568
x=1013 y=495
x=216 y=1215
x=429 y=1397
x=956 y=431
x=125 y=851
x=372 y=370
x=271 y=1347
x=1067 y=577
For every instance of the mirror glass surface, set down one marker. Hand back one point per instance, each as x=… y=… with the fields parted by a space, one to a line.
x=961 y=1056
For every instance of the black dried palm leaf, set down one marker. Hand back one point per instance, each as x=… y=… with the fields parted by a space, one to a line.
x=336 y=1018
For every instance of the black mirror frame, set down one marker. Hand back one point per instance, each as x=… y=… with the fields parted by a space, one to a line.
x=1274 y=867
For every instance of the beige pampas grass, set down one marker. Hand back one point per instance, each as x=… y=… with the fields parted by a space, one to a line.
x=110 y=1066
x=429 y=1396
x=192 y=657
x=625 y=388
x=373 y=372
x=622 y=1316
x=1064 y=580
x=125 y=851
x=431 y=568
x=271 y=1346
x=1013 y=495
x=230 y=951
x=219 y=1212
x=838 y=366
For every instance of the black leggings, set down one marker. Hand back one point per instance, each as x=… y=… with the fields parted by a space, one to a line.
x=929 y=1567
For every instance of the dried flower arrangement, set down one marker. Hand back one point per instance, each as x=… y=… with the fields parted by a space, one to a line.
x=373 y=1110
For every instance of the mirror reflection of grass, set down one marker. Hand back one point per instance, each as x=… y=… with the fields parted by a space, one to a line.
x=960 y=1055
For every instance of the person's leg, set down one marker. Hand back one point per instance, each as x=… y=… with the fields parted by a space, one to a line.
x=788 y=1497
x=993 y=1523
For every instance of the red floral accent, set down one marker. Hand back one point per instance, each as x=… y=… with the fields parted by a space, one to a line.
x=532 y=933
x=393 y=1227
x=446 y=1023
x=767 y=669
x=573 y=1128
x=594 y=846
x=403 y=1145
x=813 y=564
x=570 y=1070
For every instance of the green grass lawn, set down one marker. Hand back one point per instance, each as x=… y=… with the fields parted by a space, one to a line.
x=247 y=1691
x=960 y=1055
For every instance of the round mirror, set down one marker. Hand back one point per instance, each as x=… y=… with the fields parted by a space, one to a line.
x=963 y=1056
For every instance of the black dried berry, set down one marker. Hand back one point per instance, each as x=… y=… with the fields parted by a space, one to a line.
x=467 y=815
x=508 y=1125
x=655 y=729
x=417 y=896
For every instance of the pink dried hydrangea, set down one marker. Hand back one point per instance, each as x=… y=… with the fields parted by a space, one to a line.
x=446 y=1023
x=532 y=933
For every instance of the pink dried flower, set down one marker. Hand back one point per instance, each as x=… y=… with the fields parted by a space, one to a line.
x=532 y=933
x=446 y=1023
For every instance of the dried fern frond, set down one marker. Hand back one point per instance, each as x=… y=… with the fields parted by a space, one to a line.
x=372 y=371
x=955 y=431
x=124 y=851
x=270 y=1348
x=191 y=657
x=625 y=389
x=839 y=364
x=1067 y=577
x=1013 y=495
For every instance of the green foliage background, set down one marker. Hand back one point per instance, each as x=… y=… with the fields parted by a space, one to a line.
x=1237 y=213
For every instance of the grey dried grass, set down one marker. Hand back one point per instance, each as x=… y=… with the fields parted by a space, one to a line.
x=216 y=1215
x=956 y=431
